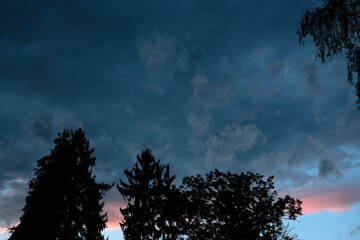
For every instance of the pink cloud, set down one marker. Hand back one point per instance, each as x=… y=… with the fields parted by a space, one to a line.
x=114 y=215
x=3 y=229
x=333 y=200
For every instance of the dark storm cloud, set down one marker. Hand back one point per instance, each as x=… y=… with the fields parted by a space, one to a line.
x=39 y=126
x=15 y=168
x=355 y=231
x=14 y=161
x=12 y=195
x=203 y=83
x=327 y=167
x=227 y=87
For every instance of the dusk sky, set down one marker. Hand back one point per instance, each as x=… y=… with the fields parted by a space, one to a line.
x=204 y=83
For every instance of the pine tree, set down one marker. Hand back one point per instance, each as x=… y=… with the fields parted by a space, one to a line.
x=64 y=200
x=150 y=212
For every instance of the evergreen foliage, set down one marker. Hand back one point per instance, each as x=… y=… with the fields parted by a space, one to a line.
x=150 y=213
x=64 y=200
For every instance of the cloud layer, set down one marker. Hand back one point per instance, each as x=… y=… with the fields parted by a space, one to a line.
x=205 y=84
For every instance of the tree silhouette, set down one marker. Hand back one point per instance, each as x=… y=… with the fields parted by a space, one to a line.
x=64 y=200
x=151 y=212
x=226 y=206
x=221 y=206
x=334 y=27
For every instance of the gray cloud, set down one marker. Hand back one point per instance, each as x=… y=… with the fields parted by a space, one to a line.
x=200 y=92
x=327 y=167
x=223 y=147
x=15 y=159
x=156 y=50
x=199 y=123
x=199 y=119
x=335 y=167
x=130 y=110
x=312 y=143
x=355 y=231
x=227 y=86
x=64 y=119
x=12 y=195
x=41 y=127
x=289 y=168
x=44 y=127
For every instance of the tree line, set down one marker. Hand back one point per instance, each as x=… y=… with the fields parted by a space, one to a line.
x=64 y=201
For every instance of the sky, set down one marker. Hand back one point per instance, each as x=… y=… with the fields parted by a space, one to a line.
x=204 y=83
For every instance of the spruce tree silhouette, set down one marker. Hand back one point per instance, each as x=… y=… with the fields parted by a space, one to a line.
x=334 y=27
x=64 y=200
x=152 y=211
x=226 y=206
